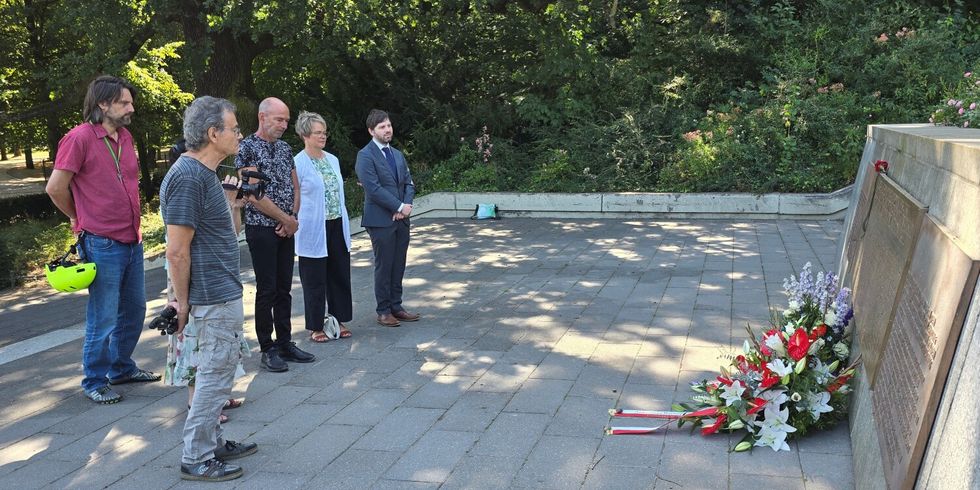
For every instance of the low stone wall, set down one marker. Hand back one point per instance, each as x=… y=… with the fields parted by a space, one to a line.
x=636 y=204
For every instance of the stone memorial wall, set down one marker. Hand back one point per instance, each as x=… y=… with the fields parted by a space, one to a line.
x=912 y=254
x=886 y=234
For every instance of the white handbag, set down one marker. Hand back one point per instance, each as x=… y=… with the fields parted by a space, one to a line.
x=331 y=327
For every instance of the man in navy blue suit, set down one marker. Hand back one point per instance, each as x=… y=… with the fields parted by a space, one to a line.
x=388 y=194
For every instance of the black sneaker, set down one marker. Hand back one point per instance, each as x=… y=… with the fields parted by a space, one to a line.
x=272 y=362
x=213 y=469
x=292 y=353
x=234 y=450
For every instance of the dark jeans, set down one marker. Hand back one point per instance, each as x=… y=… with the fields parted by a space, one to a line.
x=272 y=261
x=326 y=280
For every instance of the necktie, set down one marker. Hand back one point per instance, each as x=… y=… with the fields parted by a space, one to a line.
x=390 y=157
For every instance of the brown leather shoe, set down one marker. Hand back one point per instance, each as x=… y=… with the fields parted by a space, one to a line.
x=406 y=316
x=387 y=320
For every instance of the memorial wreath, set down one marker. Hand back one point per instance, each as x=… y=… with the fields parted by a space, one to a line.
x=790 y=380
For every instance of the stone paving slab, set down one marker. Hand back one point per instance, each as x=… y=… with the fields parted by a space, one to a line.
x=531 y=330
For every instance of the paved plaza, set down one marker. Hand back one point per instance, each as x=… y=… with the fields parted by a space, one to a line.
x=531 y=330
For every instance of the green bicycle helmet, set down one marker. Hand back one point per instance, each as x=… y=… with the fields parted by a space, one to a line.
x=67 y=276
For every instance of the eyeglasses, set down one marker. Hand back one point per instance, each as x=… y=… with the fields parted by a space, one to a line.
x=236 y=130
x=319 y=133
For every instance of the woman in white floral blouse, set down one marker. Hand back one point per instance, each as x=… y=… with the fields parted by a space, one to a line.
x=323 y=237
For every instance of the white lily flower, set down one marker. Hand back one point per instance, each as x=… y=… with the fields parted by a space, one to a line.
x=774 y=438
x=821 y=372
x=776 y=419
x=775 y=344
x=779 y=367
x=774 y=397
x=816 y=404
x=732 y=393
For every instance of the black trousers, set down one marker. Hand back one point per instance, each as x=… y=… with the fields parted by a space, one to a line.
x=272 y=261
x=326 y=280
x=390 y=246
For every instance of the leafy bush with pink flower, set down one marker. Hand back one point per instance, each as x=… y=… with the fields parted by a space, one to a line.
x=960 y=107
x=792 y=379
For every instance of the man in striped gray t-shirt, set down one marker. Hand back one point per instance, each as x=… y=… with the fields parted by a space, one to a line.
x=203 y=221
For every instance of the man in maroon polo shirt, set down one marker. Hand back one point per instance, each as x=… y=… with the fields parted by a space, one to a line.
x=95 y=182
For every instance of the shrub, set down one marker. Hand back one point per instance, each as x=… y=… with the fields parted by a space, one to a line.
x=27 y=206
x=962 y=105
x=27 y=244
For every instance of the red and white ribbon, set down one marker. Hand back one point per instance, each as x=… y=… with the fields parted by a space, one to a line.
x=646 y=414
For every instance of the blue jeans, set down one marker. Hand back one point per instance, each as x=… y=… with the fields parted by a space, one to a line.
x=116 y=309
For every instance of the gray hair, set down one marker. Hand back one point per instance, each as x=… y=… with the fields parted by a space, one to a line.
x=204 y=113
x=304 y=123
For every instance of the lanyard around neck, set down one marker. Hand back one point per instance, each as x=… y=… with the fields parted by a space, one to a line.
x=115 y=156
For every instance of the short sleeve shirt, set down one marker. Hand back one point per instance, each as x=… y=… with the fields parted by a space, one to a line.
x=106 y=197
x=275 y=160
x=191 y=195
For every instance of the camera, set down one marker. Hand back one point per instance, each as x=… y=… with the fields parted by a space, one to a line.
x=248 y=188
x=165 y=322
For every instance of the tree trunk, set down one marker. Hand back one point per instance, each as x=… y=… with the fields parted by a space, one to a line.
x=3 y=151
x=147 y=163
x=29 y=157
x=54 y=133
x=224 y=56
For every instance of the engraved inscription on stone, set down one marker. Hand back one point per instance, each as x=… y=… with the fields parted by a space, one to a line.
x=858 y=226
x=929 y=315
x=893 y=224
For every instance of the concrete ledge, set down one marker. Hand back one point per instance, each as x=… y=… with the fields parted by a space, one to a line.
x=639 y=204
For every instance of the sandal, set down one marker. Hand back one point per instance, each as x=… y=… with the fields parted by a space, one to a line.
x=138 y=376
x=103 y=396
x=222 y=418
x=344 y=333
x=319 y=337
x=232 y=404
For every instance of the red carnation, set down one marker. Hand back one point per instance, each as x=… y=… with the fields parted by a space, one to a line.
x=799 y=344
x=818 y=331
x=881 y=166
